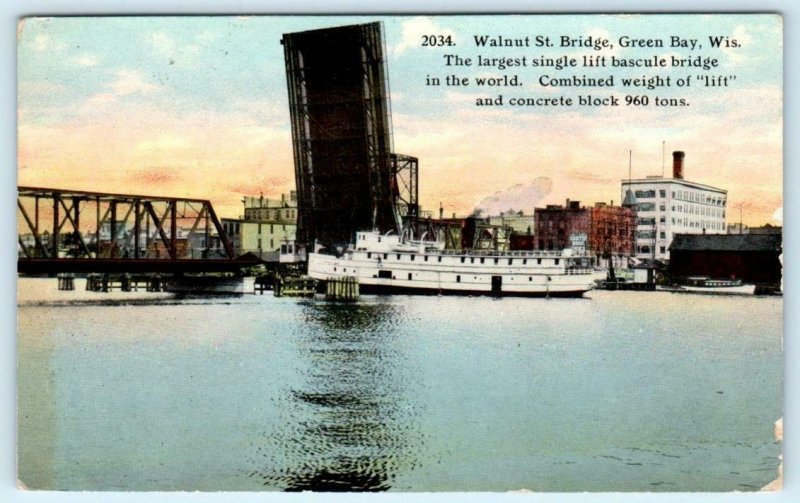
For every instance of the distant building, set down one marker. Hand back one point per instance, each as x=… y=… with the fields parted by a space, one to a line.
x=738 y=228
x=668 y=206
x=753 y=258
x=606 y=231
x=261 y=209
x=267 y=225
x=517 y=221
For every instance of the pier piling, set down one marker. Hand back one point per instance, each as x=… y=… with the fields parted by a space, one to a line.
x=342 y=288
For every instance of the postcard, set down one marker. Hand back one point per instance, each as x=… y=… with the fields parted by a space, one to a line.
x=420 y=253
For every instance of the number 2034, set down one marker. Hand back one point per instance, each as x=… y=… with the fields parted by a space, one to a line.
x=437 y=41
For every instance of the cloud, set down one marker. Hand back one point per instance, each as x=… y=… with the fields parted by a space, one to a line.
x=44 y=43
x=126 y=83
x=519 y=197
x=85 y=60
x=156 y=175
x=162 y=44
x=736 y=55
x=415 y=28
x=162 y=142
x=166 y=47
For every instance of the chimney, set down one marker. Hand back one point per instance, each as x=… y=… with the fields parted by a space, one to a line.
x=441 y=211
x=677 y=164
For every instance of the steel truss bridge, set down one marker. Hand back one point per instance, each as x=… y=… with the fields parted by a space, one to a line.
x=81 y=232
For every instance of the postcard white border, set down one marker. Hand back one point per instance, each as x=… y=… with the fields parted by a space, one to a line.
x=11 y=11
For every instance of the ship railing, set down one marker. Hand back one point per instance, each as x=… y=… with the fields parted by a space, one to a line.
x=513 y=253
x=572 y=271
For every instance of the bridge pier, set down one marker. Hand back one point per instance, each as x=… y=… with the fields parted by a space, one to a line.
x=66 y=282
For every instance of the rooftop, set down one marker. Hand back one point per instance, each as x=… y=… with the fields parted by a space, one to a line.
x=681 y=181
x=727 y=242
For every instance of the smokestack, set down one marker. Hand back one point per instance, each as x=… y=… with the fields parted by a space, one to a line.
x=441 y=211
x=677 y=164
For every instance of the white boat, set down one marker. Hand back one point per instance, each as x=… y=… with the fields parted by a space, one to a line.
x=725 y=286
x=388 y=264
x=704 y=284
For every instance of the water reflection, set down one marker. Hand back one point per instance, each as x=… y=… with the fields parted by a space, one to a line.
x=350 y=425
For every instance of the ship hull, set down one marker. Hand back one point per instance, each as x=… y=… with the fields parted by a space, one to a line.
x=410 y=290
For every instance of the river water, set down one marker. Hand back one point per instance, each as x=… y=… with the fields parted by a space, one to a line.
x=617 y=391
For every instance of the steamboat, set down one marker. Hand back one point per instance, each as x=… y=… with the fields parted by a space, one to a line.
x=388 y=263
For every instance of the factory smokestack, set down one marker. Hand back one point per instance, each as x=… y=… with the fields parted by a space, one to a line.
x=677 y=164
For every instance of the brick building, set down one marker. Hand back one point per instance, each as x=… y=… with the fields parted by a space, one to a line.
x=603 y=230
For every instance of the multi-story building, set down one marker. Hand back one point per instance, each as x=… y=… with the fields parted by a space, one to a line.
x=604 y=230
x=267 y=224
x=517 y=221
x=669 y=206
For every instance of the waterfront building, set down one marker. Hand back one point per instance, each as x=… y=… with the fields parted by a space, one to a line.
x=753 y=258
x=605 y=230
x=267 y=224
x=668 y=206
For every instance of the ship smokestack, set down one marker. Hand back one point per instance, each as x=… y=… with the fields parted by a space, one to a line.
x=677 y=164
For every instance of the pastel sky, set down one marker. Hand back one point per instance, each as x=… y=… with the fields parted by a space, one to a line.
x=197 y=107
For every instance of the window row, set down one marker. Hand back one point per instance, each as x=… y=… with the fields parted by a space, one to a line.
x=698 y=197
x=463 y=260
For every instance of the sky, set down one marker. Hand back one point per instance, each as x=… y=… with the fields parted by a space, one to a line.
x=197 y=107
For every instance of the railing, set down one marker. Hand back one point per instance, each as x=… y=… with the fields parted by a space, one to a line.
x=512 y=253
x=573 y=271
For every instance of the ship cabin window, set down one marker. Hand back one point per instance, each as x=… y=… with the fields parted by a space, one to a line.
x=379 y=239
x=440 y=259
x=412 y=257
x=385 y=255
x=334 y=269
x=398 y=256
x=463 y=259
x=524 y=261
x=472 y=260
x=530 y=278
x=385 y=274
x=482 y=260
x=510 y=261
x=557 y=261
x=458 y=279
x=497 y=260
x=426 y=258
x=369 y=254
x=539 y=261
x=409 y=276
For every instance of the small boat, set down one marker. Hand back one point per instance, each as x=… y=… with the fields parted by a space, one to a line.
x=704 y=284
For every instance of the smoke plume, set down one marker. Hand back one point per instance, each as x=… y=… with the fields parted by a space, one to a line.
x=519 y=197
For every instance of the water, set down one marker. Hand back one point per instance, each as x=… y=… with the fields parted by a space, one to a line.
x=619 y=391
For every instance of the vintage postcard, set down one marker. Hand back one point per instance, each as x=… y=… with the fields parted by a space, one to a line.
x=400 y=253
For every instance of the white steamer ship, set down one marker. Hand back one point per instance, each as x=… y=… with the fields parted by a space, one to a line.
x=388 y=264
